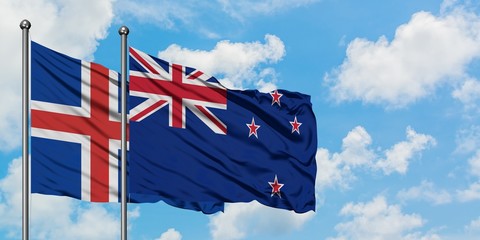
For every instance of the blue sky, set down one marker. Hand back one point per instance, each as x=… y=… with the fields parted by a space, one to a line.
x=395 y=89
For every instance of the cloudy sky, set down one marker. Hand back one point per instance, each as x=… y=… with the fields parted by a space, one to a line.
x=395 y=89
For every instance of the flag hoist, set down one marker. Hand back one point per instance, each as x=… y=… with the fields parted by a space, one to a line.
x=25 y=26
x=123 y=31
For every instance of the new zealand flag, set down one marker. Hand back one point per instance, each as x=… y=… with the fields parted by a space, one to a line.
x=193 y=140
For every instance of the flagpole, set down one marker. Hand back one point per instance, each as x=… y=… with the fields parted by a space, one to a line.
x=123 y=31
x=25 y=26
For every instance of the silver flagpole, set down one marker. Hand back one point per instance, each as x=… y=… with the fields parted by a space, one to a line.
x=123 y=31
x=25 y=26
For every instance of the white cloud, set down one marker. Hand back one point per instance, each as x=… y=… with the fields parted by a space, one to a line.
x=195 y=15
x=470 y=194
x=357 y=152
x=471 y=231
x=411 y=66
x=425 y=191
x=72 y=27
x=53 y=217
x=398 y=157
x=378 y=220
x=420 y=236
x=131 y=216
x=237 y=71
x=333 y=171
x=161 y=12
x=170 y=234
x=448 y=5
x=336 y=168
x=243 y=9
x=473 y=226
x=11 y=196
x=134 y=213
x=468 y=140
x=92 y=222
x=474 y=163
x=243 y=219
x=468 y=93
x=172 y=14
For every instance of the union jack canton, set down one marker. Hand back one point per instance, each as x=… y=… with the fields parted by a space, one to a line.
x=161 y=84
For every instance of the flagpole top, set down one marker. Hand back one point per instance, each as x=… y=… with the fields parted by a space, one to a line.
x=123 y=30
x=25 y=24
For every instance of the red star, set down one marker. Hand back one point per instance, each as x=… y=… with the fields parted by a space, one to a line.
x=296 y=125
x=276 y=187
x=253 y=128
x=276 y=97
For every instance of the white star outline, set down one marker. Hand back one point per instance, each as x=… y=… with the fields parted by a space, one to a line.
x=253 y=128
x=296 y=125
x=276 y=186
